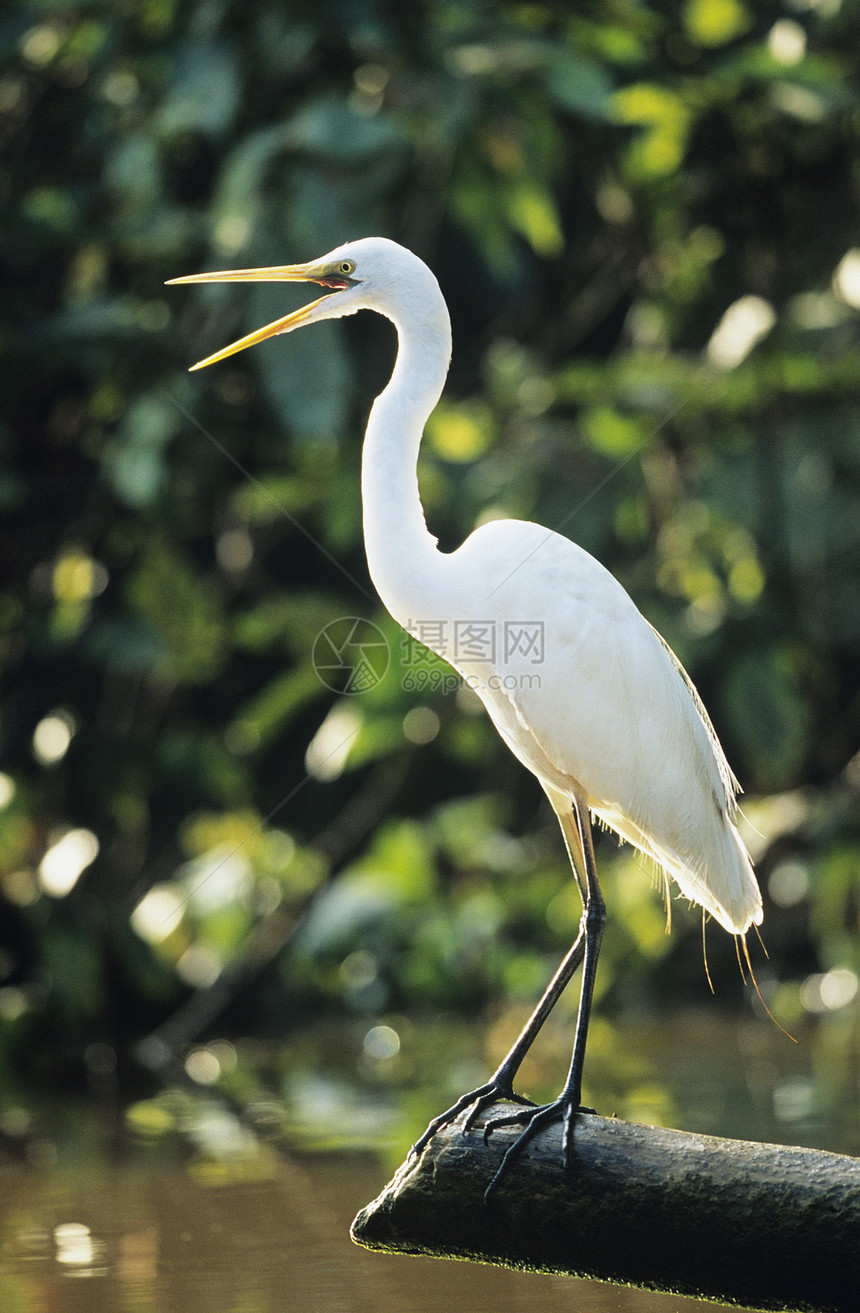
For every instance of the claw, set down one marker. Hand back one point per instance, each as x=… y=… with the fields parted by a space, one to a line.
x=483 y=1101
x=475 y=1102
x=532 y=1119
x=530 y=1116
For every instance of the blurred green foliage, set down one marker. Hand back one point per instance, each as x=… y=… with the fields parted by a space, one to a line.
x=645 y=221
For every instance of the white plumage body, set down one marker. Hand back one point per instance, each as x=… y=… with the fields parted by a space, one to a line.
x=585 y=693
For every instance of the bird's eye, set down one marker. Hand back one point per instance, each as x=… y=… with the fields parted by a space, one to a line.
x=346 y=267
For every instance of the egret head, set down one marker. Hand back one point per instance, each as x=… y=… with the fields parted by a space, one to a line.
x=373 y=273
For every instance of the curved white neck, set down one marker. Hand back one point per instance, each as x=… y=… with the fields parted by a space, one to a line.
x=402 y=555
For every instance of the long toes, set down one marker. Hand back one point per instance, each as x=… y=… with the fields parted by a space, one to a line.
x=476 y=1109
x=473 y=1104
x=521 y=1118
x=444 y=1119
x=530 y=1118
x=534 y=1120
x=509 y=1119
x=485 y=1101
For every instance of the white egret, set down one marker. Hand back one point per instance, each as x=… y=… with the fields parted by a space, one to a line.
x=581 y=688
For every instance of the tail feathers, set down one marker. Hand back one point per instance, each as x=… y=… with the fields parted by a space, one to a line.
x=726 y=886
x=720 y=877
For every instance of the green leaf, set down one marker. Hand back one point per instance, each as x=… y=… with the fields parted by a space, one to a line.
x=533 y=213
x=273 y=708
x=181 y=611
x=579 y=84
x=715 y=22
x=206 y=91
x=665 y=120
x=134 y=462
x=331 y=128
x=612 y=433
x=767 y=715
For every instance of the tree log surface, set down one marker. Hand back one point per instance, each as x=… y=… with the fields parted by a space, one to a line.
x=756 y=1225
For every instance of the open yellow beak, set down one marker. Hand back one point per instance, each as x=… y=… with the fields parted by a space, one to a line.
x=287 y=273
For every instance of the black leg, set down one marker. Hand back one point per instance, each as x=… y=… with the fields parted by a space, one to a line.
x=568 y=1102
x=594 y=921
x=577 y=836
x=500 y=1085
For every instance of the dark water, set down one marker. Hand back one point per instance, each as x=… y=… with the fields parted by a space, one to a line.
x=180 y=1208
x=129 y=1238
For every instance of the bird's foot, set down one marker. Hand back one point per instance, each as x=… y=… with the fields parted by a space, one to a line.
x=533 y=1119
x=473 y=1104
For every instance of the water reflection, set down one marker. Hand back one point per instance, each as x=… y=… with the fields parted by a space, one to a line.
x=211 y=1201
x=139 y=1237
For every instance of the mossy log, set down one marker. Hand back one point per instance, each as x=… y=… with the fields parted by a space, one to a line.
x=756 y=1225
